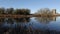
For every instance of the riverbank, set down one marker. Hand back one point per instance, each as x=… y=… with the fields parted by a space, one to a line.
x=22 y=16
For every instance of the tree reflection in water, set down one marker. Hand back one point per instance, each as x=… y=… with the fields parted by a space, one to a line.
x=2 y=19
x=24 y=29
x=5 y=28
x=22 y=19
x=45 y=19
x=12 y=20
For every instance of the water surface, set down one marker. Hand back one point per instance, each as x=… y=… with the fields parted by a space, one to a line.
x=40 y=24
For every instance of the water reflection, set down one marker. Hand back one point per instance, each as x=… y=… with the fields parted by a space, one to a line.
x=22 y=19
x=2 y=19
x=10 y=26
x=14 y=20
x=45 y=19
x=26 y=26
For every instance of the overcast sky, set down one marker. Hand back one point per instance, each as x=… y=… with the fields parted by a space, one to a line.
x=33 y=5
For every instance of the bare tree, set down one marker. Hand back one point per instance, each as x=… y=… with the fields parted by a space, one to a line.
x=2 y=10
x=9 y=10
x=44 y=11
x=22 y=11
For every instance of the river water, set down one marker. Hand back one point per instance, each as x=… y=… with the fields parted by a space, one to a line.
x=33 y=25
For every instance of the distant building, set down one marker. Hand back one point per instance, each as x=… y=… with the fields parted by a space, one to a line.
x=53 y=11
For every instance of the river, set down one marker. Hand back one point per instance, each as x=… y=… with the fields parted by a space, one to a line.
x=33 y=25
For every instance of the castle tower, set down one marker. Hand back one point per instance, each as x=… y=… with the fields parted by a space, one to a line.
x=53 y=11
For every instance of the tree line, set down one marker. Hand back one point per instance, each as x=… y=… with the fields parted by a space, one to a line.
x=14 y=11
x=46 y=12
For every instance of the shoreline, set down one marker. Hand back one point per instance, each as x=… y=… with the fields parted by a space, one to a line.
x=22 y=16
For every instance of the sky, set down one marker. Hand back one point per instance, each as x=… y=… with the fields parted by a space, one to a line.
x=33 y=5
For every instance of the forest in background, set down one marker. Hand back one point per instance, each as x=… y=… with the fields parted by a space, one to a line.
x=14 y=11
